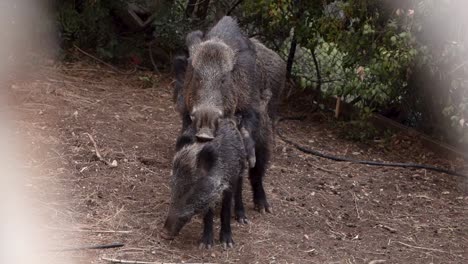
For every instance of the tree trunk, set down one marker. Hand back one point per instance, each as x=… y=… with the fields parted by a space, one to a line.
x=190 y=7
x=202 y=9
x=292 y=53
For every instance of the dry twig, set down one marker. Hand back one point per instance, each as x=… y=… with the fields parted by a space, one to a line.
x=98 y=154
x=155 y=67
x=329 y=171
x=377 y=261
x=103 y=62
x=115 y=245
x=91 y=231
x=112 y=260
x=422 y=248
x=355 y=205
x=390 y=229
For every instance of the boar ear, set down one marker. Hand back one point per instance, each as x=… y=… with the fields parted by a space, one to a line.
x=179 y=66
x=183 y=141
x=192 y=40
x=206 y=159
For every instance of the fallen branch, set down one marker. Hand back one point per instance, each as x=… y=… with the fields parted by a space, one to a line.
x=390 y=229
x=114 y=245
x=112 y=260
x=329 y=171
x=98 y=154
x=103 y=62
x=155 y=67
x=377 y=261
x=89 y=231
x=422 y=248
x=356 y=206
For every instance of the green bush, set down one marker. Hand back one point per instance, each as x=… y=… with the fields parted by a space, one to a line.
x=89 y=26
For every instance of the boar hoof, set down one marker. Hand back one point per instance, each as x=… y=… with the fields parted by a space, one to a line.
x=205 y=246
x=226 y=240
x=263 y=207
x=241 y=218
x=227 y=245
x=206 y=242
x=165 y=235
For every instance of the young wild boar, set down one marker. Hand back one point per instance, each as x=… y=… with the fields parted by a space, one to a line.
x=204 y=174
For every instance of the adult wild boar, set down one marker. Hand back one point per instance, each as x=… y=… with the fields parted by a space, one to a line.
x=233 y=75
x=220 y=74
x=205 y=174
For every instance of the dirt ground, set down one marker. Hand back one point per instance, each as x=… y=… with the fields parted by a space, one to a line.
x=324 y=211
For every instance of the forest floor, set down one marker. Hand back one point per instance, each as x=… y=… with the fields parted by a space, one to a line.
x=324 y=211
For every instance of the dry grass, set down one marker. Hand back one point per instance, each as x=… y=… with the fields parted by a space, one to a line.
x=325 y=212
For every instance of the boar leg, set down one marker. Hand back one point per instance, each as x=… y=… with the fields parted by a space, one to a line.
x=225 y=235
x=239 y=204
x=247 y=122
x=257 y=173
x=249 y=145
x=206 y=240
x=259 y=130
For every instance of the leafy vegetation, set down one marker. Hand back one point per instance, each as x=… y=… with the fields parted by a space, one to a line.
x=404 y=58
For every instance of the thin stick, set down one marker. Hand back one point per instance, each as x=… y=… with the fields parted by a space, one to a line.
x=90 y=231
x=152 y=59
x=423 y=248
x=390 y=229
x=338 y=107
x=377 y=261
x=114 y=245
x=327 y=170
x=101 y=61
x=98 y=154
x=112 y=260
x=355 y=205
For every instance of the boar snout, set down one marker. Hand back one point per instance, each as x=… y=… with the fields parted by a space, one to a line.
x=172 y=226
x=206 y=122
x=205 y=134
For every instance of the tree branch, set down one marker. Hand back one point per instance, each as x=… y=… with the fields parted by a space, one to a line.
x=317 y=69
x=234 y=7
x=292 y=53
